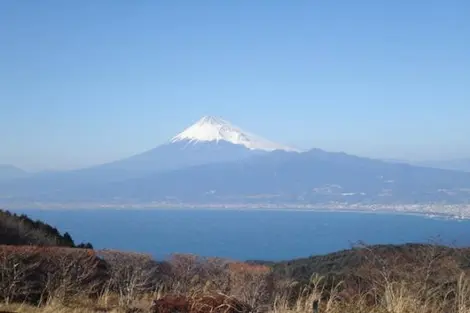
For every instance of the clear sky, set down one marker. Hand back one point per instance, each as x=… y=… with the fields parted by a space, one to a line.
x=85 y=82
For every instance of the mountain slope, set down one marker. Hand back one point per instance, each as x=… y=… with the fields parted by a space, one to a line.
x=180 y=154
x=280 y=177
x=163 y=158
x=456 y=164
x=210 y=140
x=8 y=172
x=452 y=164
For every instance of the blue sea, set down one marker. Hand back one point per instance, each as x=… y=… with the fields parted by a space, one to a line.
x=245 y=234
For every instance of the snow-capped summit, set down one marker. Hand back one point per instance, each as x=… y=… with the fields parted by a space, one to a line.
x=216 y=129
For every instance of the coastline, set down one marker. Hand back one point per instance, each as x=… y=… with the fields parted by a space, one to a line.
x=433 y=211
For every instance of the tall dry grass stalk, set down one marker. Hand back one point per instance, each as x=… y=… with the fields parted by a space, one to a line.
x=134 y=280
x=303 y=303
x=462 y=299
x=398 y=297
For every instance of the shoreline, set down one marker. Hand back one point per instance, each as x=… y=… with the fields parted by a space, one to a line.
x=246 y=208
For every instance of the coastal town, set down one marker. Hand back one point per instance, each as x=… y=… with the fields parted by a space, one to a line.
x=430 y=210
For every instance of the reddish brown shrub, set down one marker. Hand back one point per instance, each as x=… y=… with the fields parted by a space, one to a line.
x=241 y=267
x=170 y=304
x=204 y=304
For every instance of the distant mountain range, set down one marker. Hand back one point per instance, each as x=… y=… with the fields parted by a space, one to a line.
x=455 y=164
x=215 y=162
x=451 y=164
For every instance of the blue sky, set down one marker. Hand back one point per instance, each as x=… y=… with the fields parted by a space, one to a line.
x=86 y=82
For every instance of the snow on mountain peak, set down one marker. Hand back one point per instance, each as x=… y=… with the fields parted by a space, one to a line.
x=210 y=128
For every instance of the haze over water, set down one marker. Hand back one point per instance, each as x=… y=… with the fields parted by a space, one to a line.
x=265 y=235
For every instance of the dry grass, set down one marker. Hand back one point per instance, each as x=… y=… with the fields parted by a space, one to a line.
x=397 y=299
x=393 y=286
x=51 y=309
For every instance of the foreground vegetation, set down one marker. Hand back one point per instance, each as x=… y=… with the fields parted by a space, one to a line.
x=398 y=279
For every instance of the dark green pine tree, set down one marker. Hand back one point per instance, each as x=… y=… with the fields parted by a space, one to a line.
x=85 y=246
x=68 y=241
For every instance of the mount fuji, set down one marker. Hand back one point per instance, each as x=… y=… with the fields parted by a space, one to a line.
x=209 y=140
x=214 y=129
x=213 y=161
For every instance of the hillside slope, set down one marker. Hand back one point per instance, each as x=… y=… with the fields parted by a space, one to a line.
x=355 y=260
x=21 y=230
